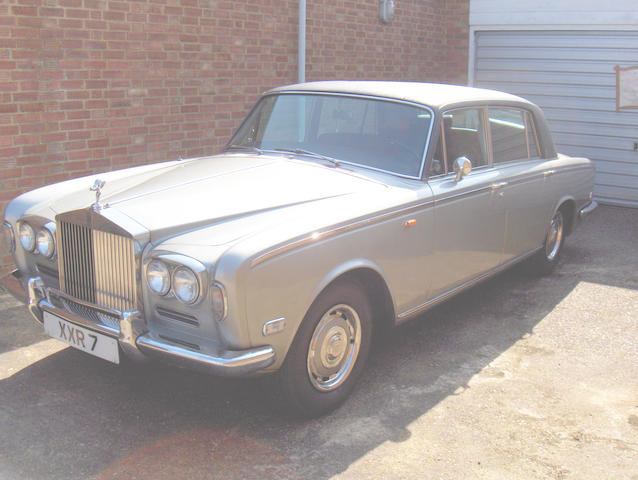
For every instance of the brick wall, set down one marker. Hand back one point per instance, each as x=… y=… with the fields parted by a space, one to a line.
x=95 y=85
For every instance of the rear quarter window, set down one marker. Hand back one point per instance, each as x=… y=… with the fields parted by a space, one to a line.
x=512 y=135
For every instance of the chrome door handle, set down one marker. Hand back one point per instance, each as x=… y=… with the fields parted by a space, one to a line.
x=548 y=173
x=496 y=186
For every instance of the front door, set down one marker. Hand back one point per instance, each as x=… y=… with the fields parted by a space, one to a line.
x=469 y=213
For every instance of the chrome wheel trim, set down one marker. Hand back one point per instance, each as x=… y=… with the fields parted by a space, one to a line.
x=334 y=347
x=554 y=237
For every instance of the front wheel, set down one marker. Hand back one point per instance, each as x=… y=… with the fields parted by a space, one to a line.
x=546 y=259
x=329 y=352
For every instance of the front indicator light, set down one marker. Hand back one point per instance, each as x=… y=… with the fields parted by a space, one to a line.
x=220 y=305
x=158 y=277
x=45 y=242
x=9 y=239
x=27 y=236
x=185 y=285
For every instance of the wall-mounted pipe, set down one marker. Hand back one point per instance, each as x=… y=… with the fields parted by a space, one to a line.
x=302 y=42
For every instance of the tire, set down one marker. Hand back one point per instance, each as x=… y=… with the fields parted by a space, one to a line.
x=546 y=259
x=328 y=353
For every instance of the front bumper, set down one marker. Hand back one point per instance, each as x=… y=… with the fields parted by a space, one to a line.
x=129 y=329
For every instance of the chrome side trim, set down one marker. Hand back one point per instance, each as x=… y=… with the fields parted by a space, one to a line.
x=225 y=363
x=441 y=199
x=470 y=283
x=332 y=231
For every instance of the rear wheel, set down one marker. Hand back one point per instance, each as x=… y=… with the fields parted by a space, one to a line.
x=329 y=351
x=546 y=259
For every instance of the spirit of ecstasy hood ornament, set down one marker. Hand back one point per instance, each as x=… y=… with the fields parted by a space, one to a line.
x=97 y=188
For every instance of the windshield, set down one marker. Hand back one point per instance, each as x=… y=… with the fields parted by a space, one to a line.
x=383 y=135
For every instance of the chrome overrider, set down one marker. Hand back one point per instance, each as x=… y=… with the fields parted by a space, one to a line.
x=129 y=328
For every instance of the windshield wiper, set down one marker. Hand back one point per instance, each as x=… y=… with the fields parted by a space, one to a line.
x=301 y=151
x=243 y=147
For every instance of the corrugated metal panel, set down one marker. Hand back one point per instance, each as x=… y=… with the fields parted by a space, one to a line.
x=570 y=74
x=554 y=12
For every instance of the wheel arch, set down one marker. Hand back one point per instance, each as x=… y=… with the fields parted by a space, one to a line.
x=567 y=205
x=371 y=279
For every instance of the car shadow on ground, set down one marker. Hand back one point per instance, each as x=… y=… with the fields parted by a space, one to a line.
x=73 y=416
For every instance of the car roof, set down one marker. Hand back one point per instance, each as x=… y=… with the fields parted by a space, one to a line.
x=432 y=94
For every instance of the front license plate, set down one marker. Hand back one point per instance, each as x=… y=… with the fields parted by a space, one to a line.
x=82 y=338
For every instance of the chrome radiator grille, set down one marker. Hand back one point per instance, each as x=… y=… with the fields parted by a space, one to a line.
x=97 y=266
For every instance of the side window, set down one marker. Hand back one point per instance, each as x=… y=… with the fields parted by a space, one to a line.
x=510 y=135
x=464 y=136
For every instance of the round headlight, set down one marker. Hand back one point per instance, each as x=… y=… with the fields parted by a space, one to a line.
x=158 y=277
x=185 y=285
x=27 y=236
x=45 y=242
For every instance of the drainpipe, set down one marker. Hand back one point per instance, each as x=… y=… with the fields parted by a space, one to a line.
x=302 y=42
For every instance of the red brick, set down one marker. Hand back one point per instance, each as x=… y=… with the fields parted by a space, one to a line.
x=114 y=16
x=30 y=160
x=9 y=130
x=80 y=134
x=53 y=137
x=51 y=12
x=78 y=114
x=29 y=183
x=101 y=142
x=32 y=128
x=29 y=11
x=31 y=149
x=10 y=173
x=76 y=13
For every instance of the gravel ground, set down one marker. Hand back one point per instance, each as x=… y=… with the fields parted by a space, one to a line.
x=520 y=377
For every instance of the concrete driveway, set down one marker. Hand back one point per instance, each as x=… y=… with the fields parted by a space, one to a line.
x=521 y=377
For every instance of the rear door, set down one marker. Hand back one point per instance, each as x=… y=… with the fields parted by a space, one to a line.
x=522 y=179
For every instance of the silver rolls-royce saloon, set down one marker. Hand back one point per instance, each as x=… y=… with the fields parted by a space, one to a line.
x=337 y=209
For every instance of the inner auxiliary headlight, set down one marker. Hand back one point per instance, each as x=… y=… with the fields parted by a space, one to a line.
x=158 y=277
x=45 y=242
x=27 y=236
x=185 y=285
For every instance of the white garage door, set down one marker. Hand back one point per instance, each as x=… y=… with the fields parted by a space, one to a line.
x=571 y=75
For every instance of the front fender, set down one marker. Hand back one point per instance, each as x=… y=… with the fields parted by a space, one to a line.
x=265 y=302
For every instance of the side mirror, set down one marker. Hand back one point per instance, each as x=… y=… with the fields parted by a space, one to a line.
x=462 y=167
